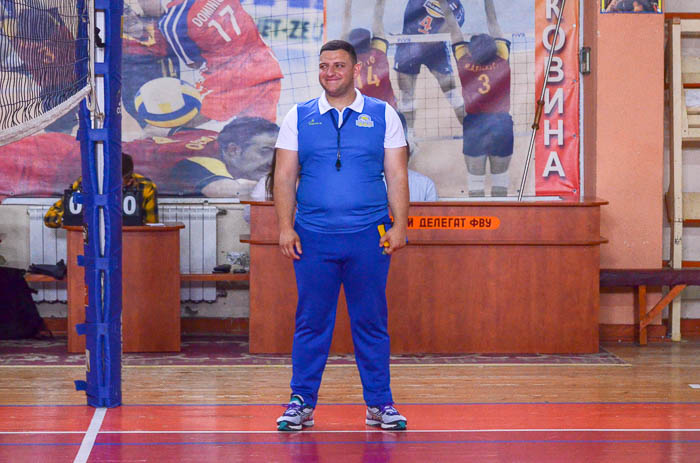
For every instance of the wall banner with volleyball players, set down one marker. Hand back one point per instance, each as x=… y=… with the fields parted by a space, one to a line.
x=206 y=84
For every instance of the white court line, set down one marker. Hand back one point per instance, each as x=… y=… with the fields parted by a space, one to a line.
x=307 y=431
x=90 y=436
x=407 y=430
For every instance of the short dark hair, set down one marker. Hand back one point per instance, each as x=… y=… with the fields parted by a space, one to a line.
x=360 y=39
x=340 y=45
x=240 y=130
x=482 y=48
x=127 y=165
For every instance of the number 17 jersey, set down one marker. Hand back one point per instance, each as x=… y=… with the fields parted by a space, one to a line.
x=221 y=39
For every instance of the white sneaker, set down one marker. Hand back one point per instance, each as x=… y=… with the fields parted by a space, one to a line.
x=387 y=416
x=297 y=416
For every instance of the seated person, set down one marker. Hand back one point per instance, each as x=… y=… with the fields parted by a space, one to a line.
x=263 y=189
x=54 y=216
x=421 y=188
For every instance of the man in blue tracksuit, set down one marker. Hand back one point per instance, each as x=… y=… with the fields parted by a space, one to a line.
x=337 y=147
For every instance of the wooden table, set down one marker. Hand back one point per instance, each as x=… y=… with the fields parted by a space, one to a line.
x=150 y=288
x=531 y=285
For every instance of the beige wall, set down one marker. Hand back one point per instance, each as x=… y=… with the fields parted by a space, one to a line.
x=624 y=140
x=14 y=233
x=685 y=6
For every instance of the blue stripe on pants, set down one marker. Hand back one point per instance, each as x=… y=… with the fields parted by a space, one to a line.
x=356 y=261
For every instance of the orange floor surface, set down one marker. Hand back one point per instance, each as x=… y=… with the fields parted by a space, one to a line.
x=531 y=432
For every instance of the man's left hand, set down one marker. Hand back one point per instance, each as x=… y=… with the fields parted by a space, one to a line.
x=396 y=237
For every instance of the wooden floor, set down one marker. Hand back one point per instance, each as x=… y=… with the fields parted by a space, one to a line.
x=646 y=410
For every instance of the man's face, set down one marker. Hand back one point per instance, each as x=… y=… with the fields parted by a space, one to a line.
x=638 y=7
x=253 y=161
x=336 y=72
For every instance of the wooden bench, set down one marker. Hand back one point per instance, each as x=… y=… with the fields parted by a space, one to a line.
x=675 y=279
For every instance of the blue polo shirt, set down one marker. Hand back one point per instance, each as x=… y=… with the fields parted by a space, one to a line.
x=352 y=197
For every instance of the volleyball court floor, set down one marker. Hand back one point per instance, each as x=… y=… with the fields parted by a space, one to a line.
x=645 y=410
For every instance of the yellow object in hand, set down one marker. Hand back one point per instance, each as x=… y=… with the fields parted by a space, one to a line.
x=382 y=232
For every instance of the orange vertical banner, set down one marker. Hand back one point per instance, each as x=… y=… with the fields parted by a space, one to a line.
x=557 y=140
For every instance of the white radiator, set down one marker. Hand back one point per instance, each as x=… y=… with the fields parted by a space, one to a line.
x=46 y=246
x=197 y=249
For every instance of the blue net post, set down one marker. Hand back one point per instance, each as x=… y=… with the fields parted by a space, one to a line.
x=102 y=198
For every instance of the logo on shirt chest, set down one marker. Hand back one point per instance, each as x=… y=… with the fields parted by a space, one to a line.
x=313 y=122
x=363 y=120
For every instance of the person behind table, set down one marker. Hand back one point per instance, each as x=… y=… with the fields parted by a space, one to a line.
x=149 y=203
x=421 y=188
x=338 y=146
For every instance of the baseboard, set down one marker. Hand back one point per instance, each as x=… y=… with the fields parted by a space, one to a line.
x=608 y=333
x=59 y=326
x=625 y=333
x=655 y=333
x=690 y=327
x=214 y=325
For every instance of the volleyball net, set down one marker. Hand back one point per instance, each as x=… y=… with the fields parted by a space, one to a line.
x=44 y=49
x=435 y=118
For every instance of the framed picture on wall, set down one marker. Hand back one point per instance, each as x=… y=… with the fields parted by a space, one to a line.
x=631 y=6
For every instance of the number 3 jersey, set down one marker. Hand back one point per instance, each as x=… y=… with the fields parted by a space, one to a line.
x=486 y=86
x=220 y=38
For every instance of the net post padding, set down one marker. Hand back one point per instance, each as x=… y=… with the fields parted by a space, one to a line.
x=103 y=219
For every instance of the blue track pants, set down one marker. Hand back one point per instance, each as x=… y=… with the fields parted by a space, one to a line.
x=356 y=261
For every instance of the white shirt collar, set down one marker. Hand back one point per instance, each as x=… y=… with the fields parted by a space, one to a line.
x=357 y=105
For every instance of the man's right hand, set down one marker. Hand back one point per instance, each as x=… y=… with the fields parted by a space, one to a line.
x=290 y=244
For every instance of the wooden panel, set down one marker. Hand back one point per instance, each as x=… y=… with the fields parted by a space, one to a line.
x=530 y=286
x=49 y=249
x=485 y=299
x=559 y=221
x=150 y=289
x=629 y=333
x=668 y=15
x=214 y=277
x=203 y=325
x=76 y=290
x=151 y=292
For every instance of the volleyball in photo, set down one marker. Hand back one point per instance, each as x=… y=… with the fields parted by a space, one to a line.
x=167 y=102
